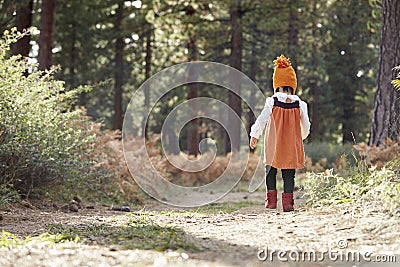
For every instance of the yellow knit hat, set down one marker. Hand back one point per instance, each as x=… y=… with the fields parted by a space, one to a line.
x=284 y=74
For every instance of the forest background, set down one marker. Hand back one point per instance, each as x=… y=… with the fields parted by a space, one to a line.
x=108 y=49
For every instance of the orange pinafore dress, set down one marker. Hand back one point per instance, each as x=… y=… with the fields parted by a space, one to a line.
x=283 y=145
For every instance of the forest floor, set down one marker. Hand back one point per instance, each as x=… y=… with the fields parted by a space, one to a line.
x=236 y=231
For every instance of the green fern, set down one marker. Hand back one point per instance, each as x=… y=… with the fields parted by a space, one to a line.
x=396 y=82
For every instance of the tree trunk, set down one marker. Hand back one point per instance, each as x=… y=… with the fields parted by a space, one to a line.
x=47 y=25
x=386 y=116
x=234 y=100
x=293 y=33
x=148 y=59
x=72 y=61
x=119 y=69
x=251 y=118
x=193 y=135
x=23 y=21
x=314 y=78
x=148 y=65
x=348 y=116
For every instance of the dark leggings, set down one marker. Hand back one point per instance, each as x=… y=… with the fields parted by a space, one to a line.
x=287 y=176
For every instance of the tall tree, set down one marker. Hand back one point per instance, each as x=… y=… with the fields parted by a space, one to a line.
x=251 y=118
x=234 y=100
x=7 y=8
x=193 y=135
x=148 y=58
x=119 y=67
x=193 y=129
x=148 y=61
x=293 y=31
x=46 y=37
x=386 y=116
x=314 y=80
x=84 y=45
x=350 y=59
x=23 y=21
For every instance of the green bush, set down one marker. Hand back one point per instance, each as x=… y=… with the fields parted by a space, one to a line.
x=42 y=137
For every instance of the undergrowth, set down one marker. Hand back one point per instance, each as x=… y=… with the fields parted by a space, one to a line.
x=367 y=188
x=50 y=148
x=43 y=141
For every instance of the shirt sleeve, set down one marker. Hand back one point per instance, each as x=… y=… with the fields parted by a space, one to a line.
x=258 y=127
x=304 y=120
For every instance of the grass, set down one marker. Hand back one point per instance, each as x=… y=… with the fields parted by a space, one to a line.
x=212 y=208
x=135 y=235
x=218 y=208
x=140 y=231
x=9 y=240
x=8 y=195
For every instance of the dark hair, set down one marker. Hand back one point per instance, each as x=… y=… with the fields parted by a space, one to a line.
x=287 y=89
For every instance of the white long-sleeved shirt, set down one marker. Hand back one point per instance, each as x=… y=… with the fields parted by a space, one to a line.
x=258 y=127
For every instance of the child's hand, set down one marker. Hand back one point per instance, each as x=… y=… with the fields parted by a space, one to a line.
x=253 y=142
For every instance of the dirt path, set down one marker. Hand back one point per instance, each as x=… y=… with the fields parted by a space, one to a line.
x=236 y=238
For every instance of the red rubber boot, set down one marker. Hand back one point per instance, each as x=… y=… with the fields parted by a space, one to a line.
x=271 y=198
x=287 y=202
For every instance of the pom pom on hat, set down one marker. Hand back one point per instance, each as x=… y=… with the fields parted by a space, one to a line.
x=282 y=62
x=284 y=74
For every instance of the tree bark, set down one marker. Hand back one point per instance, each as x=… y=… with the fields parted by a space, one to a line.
x=47 y=26
x=119 y=68
x=147 y=73
x=148 y=59
x=193 y=135
x=251 y=118
x=72 y=62
x=234 y=100
x=23 y=21
x=293 y=32
x=314 y=78
x=386 y=116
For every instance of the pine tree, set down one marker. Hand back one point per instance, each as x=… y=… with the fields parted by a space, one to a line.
x=386 y=117
x=23 y=21
x=46 y=38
